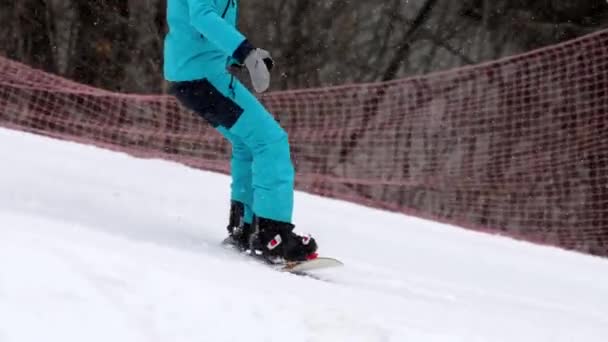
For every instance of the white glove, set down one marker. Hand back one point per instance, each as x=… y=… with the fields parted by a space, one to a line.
x=258 y=62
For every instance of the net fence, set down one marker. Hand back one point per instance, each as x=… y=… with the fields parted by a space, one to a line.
x=517 y=146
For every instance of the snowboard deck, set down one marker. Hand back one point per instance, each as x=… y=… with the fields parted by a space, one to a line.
x=310 y=265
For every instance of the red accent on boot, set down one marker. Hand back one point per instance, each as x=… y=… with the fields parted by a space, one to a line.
x=306 y=239
x=274 y=242
x=312 y=256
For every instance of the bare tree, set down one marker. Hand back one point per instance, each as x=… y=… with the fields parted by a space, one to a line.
x=117 y=44
x=28 y=32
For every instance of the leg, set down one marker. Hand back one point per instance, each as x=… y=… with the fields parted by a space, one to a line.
x=261 y=155
x=272 y=169
x=272 y=179
x=221 y=112
x=240 y=170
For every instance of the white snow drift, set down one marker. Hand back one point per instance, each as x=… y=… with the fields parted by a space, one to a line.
x=100 y=246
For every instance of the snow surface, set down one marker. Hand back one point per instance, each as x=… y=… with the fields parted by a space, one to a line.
x=100 y=246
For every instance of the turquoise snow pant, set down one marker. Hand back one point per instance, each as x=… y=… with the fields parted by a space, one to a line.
x=261 y=167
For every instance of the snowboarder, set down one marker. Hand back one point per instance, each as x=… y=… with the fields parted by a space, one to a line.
x=201 y=45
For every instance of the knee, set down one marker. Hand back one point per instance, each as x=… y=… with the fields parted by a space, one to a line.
x=278 y=141
x=281 y=155
x=241 y=152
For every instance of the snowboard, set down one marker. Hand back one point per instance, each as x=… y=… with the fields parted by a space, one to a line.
x=309 y=265
x=296 y=267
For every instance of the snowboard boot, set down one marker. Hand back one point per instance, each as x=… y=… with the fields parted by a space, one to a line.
x=239 y=232
x=278 y=243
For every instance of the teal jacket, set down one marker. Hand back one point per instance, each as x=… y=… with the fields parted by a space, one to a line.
x=202 y=39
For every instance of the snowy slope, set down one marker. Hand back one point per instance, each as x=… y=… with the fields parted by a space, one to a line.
x=99 y=246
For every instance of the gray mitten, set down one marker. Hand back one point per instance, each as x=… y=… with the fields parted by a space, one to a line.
x=258 y=63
